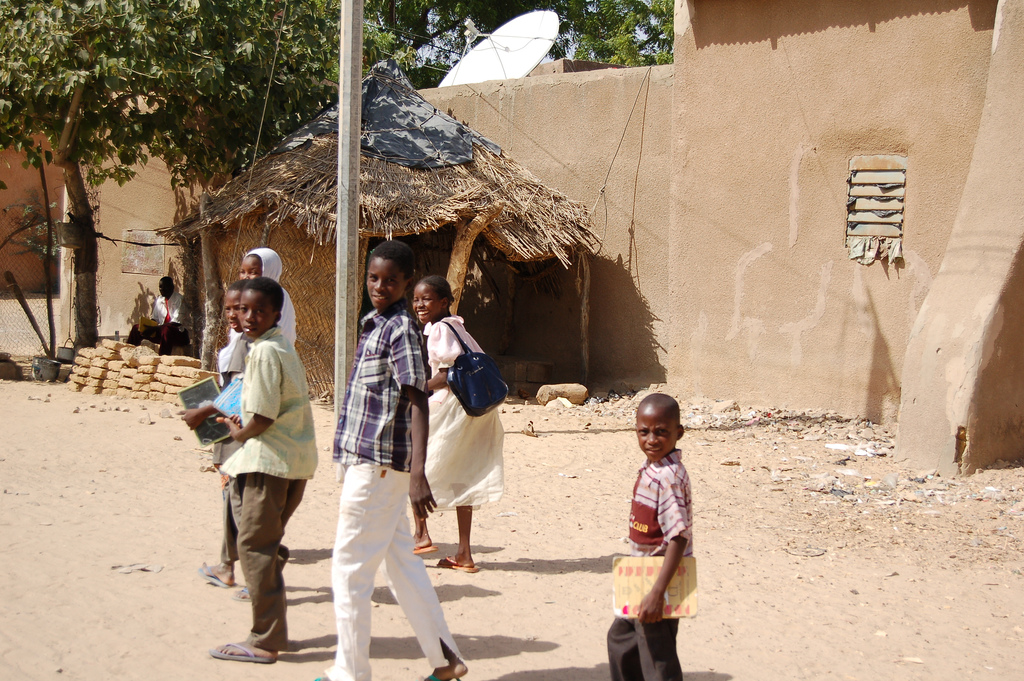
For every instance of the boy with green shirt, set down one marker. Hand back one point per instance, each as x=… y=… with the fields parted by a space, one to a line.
x=277 y=458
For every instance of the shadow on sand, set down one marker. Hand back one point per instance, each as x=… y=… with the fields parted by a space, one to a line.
x=321 y=648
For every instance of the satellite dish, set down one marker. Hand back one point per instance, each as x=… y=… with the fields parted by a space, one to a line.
x=512 y=51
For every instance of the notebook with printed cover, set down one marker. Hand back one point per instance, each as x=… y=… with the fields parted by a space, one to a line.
x=229 y=402
x=635 y=575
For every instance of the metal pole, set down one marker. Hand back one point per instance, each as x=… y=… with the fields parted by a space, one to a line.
x=346 y=303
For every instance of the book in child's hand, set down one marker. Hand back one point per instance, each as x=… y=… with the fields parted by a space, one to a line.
x=202 y=394
x=229 y=402
x=635 y=575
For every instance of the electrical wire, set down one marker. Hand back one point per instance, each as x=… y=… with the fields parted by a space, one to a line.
x=263 y=115
x=625 y=128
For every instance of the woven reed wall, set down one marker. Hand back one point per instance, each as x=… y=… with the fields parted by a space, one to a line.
x=309 y=279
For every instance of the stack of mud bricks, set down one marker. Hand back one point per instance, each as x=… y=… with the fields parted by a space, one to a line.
x=115 y=368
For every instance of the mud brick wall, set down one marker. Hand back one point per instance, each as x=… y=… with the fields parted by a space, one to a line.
x=119 y=369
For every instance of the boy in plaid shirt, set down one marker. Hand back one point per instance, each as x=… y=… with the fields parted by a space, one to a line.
x=660 y=524
x=382 y=441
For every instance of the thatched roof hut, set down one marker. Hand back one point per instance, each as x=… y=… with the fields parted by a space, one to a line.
x=287 y=201
x=299 y=187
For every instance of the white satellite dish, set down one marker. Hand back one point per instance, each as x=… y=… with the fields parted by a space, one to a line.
x=512 y=51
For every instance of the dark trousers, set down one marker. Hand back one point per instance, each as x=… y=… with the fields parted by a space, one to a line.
x=267 y=504
x=166 y=336
x=232 y=510
x=643 y=652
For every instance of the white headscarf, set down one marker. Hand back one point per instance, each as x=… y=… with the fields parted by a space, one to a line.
x=273 y=268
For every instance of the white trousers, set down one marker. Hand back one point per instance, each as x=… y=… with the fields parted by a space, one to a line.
x=373 y=527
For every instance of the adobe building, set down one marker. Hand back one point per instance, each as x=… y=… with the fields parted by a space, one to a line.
x=25 y=192
x=816 y=205
x=789 y=137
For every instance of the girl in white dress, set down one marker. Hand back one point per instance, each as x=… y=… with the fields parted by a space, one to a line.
x=464 y=462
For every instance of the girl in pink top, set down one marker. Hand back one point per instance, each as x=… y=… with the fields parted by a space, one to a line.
x=464 y=461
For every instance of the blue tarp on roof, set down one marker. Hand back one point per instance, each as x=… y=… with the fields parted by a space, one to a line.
x=398 y=125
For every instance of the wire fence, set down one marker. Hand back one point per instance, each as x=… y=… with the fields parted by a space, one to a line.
x=23 y=248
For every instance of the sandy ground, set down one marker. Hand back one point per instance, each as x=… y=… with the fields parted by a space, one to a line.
x=806 y=569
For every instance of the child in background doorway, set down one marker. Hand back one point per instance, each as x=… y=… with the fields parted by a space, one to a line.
x=660 y=524
x=464 y=462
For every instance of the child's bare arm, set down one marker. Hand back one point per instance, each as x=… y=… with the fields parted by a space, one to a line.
x=419 y=489
x=652 y=607
x=193 y=418
x=438 y=380
x=256 y=426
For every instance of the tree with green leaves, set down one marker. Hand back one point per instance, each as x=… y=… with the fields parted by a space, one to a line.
x=426 y=36
x=112 y=83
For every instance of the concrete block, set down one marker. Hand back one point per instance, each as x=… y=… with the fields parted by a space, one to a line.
x=574 y=392
x=10 y=371
x=128 y=356
x=113 y=345
x=180 y=361
x=539 y=372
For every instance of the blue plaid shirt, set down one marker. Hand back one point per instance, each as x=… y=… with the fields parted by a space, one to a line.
x=375 y=425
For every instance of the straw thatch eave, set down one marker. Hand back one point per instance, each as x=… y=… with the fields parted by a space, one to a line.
x=299 y=186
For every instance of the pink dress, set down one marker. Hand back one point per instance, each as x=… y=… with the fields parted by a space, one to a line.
x=464 y=460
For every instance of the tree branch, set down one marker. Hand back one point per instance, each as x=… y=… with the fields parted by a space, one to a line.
x=70 y=126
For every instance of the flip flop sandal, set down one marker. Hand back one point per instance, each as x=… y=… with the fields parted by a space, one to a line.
x=450 y=563
x=206 y=573
x=247 y=656
x=420 y=550
x=242 y=595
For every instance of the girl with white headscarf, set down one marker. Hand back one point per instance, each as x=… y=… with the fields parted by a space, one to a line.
x=264 y=262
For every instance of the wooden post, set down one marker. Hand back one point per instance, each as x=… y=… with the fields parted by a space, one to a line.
x=346 y=229
x=212 y=302
x=465 y=235
x=13 y=285
x=508 y=330
x=48 y=264
x=583 y=287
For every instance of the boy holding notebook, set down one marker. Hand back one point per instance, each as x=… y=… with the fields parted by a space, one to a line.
x=660 y=524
